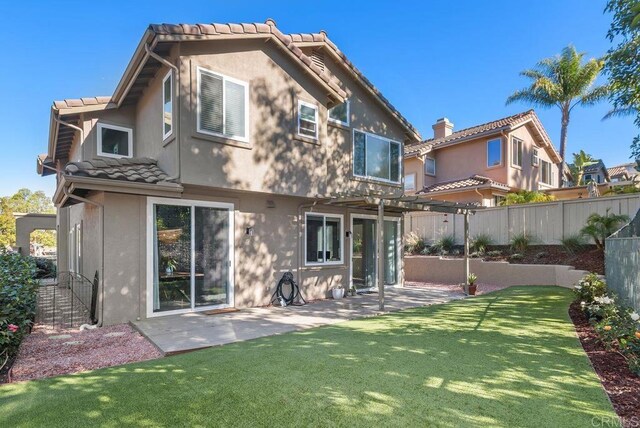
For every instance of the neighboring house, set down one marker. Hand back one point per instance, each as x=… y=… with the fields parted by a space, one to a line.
x=483 y=163
x=624 y=172
x=200 y=181
x=596 y=172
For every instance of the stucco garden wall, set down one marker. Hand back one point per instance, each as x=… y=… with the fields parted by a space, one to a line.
x=451 y=271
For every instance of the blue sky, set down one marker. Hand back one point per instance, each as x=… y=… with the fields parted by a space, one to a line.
x=430 y=59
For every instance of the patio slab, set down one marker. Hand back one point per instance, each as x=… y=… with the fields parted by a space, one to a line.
x=187 y=332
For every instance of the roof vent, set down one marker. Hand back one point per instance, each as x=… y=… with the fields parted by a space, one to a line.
x=317 y=57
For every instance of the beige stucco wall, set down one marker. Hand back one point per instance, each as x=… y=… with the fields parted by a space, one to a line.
x=528 y=176
x=451 y=271
x=415 y=165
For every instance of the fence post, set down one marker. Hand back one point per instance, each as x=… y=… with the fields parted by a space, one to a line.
x=508 y=225
x=561 y=205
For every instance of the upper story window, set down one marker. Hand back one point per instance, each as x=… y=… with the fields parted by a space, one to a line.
x=546 y=175
x=340 y=113
x=167 y=105
x=516 y=152
x=223 y=106
x=115 y=141
x=323 y=239
x=410 y=181
x=307 y=120
x=494 y=152
x=430 y=166
x=587 y=178
x=376 y=157
x=535 y=157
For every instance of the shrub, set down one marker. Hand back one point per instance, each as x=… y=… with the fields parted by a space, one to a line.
x=45 y=268
x=445 y=244
x=520 y=242
x=589 y=288
x=480 y=242
x=18 y=288
x=599 y=227
x=525 y=197
x=415 y=244
x=574 y=244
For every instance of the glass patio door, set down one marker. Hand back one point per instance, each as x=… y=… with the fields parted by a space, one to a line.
x=192 y=257
x=364 y=255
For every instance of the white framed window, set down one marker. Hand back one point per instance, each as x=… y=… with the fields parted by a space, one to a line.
x=75 y=248
x=340 y=113
x=114 y=141
x=410 y=181
x=546 y=174
x=307 y=120
x=494 y=152
x=535 y=157
x=497 y=199
x=223 y=106
x=377 y=158
x=429 y=166
x=516 y=152
x=323 y=239
x=167 y=105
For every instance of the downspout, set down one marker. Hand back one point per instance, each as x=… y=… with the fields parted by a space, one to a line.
x=101 y=221
x=163 y=61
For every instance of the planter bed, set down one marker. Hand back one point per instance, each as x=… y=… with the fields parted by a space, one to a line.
x=622 y=386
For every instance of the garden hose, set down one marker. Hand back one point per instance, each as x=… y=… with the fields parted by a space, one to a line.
x=294 y=297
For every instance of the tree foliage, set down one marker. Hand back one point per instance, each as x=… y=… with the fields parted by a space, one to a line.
x=525 y=197
x=25 y=201
x=564 y=81
x=599 y=227
x=622 y=64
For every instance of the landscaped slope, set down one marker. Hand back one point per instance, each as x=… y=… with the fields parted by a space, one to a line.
x=509 y=358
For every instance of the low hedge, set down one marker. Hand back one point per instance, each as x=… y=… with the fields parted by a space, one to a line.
x=18 y=301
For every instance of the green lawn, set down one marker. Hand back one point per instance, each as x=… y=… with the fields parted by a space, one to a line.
x=509 y=358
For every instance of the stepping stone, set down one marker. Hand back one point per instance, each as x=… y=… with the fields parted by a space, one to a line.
x=73 y=342
x=60 y=336
x=114 y=334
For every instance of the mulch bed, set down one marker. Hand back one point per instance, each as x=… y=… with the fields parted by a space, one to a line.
x=591 y=259
x=622 y=386
x=45 y=353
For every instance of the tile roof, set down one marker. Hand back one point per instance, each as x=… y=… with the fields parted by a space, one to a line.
x=473 y=181
x=619 y=170
x=140 y=170
x=269 y=27
x=81 y=102
x=495 y=125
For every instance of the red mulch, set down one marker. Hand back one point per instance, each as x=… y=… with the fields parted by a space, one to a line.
x=591 y=259
x=622 y=386
x=46 y=353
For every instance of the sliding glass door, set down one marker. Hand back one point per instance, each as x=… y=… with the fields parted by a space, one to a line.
x=364 y=253
x=191 y=256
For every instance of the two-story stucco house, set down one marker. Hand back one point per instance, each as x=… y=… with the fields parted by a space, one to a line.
x=201 y=180
x=481 y=164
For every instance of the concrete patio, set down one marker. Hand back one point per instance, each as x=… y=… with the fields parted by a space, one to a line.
x=188 y=332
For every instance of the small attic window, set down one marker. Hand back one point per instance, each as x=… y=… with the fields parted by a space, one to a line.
x=115 y=141
x=317 y=57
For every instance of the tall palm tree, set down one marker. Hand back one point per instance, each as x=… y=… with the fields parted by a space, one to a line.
x=563 y=81
x=581 y=160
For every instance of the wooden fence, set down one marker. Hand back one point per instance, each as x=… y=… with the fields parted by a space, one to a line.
x=547 y=223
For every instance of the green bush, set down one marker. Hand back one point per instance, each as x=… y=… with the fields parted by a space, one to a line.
x=444 y=244
x=574 y=244
x=18 y=288
x=525 y=197
x=520 y=242
x=415 y=244
x=589 y=288
x=45 y=268
x=480 y=242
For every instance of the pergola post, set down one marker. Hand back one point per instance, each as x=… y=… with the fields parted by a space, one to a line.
x=466 y=251
x=380 y=246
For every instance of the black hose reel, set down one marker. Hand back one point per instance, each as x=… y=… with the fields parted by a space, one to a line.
x=290 y=297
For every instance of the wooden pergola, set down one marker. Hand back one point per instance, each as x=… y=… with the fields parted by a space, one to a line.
x=403 y=204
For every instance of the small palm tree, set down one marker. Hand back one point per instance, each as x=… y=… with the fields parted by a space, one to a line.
x=563 y=81
x=599 y=227
x=581 y=160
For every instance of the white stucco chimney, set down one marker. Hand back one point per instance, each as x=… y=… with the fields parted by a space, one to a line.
x=442 y=128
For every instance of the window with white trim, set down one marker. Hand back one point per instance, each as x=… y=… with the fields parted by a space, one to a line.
x=340 y=113
x=546 y=175
x=494 y=153
x=430 y=166
x=223 y=106
x=376 y=157
x=323 y=239
x=516 y=152
x=75 y=248
x=535 y=158
x=307 y=120
x=410 y=181
x=114 y=141
x=167 y=105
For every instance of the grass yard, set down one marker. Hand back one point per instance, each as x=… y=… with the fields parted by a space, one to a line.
x=509 y=358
